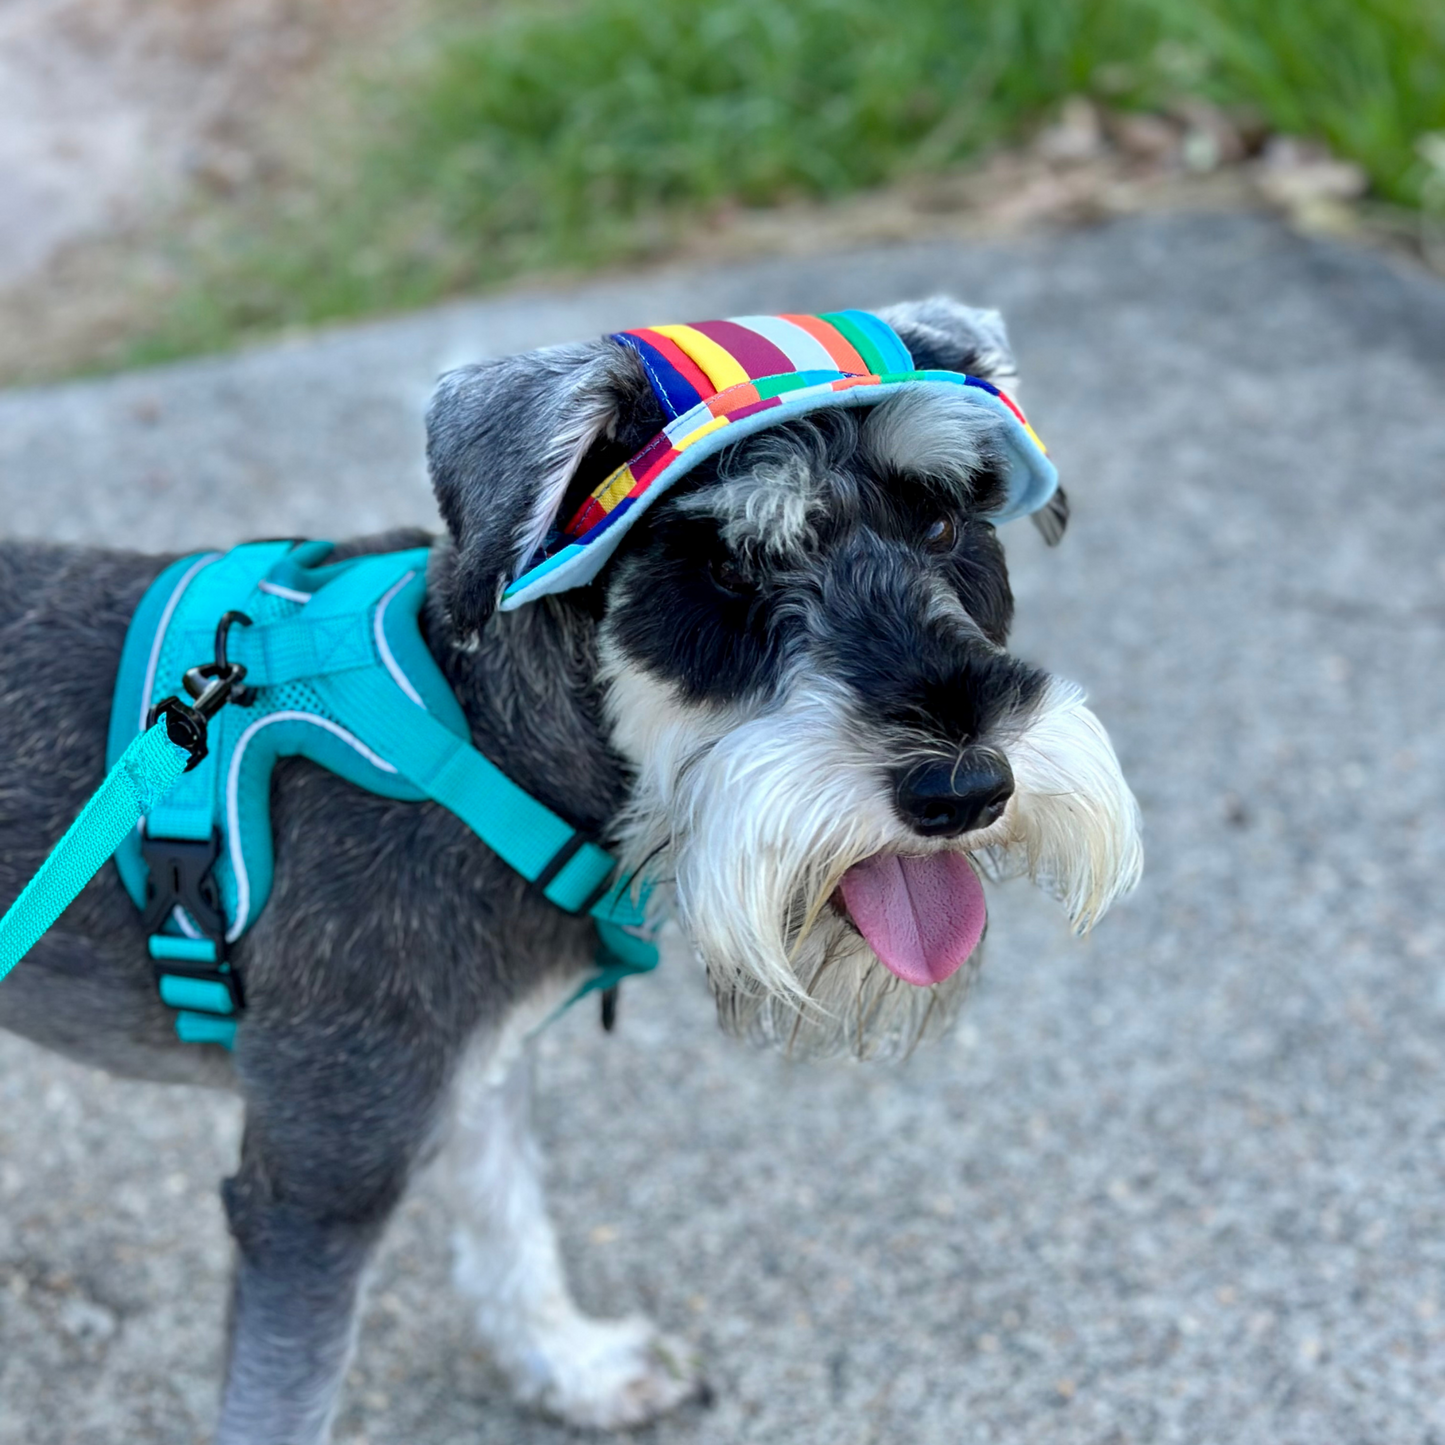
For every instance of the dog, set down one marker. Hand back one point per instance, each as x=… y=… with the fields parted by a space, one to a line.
x=787 y=698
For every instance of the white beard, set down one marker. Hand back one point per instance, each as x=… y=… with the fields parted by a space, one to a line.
x=755 y=815
x=1072 y=825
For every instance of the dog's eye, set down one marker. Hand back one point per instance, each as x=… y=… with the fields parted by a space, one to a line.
x=729 y=577
x=941 y=534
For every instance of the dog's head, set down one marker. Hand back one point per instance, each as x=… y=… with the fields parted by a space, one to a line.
x=804 y=648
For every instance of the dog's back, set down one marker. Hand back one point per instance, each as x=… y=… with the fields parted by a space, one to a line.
x=63 y=618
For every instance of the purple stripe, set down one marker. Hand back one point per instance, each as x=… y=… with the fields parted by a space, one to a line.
x=754 y=406
x=649 y=454
x=755 y=354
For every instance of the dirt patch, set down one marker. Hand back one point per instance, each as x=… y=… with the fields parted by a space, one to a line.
x=1089 y=166
x=125 y=123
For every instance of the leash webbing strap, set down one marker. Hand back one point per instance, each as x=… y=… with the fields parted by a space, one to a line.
x=142 y=776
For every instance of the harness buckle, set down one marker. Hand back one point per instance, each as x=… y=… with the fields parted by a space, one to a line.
x=180 y=874
x=192 y=974
x=559 y=860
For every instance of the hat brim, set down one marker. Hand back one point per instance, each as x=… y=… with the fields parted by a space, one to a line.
x=1030 y=479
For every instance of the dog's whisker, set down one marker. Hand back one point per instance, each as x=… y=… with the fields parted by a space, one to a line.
x=928 y=1012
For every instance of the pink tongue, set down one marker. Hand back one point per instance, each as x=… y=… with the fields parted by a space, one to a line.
x=922 y=916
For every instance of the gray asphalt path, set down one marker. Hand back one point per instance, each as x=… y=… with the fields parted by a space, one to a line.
x=1182 y=1182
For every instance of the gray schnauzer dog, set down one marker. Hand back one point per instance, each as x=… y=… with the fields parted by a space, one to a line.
x=790 y=682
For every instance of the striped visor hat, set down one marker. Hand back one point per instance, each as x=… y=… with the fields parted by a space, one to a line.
x=720 y=381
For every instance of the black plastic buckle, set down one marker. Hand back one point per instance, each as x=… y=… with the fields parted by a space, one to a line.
x=211 y=686
x=180 y=873
x=560 y=859
x=181 y=876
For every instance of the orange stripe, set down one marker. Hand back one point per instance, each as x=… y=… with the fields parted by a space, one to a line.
x=734 y=397
x=844 y=355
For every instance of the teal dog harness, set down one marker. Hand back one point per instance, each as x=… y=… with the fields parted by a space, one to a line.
x=335 y=670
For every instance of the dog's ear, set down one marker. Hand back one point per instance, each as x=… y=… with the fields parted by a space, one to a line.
x=508 y=445
x=943 y=333
x=1052 y=519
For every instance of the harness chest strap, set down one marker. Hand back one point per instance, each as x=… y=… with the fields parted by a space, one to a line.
x=522 y=832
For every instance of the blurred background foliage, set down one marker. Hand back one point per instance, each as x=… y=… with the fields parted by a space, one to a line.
x=526 y=136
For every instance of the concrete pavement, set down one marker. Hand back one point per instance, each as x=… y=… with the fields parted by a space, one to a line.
x=1179 y=1183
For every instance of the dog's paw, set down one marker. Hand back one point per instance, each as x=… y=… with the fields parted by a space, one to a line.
x=610 y=1374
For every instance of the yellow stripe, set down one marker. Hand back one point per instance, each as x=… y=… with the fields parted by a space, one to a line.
x=717 y=363
x=707 y=426
x=614 y=491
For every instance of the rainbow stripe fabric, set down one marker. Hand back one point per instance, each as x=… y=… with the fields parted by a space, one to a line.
x=719 y=381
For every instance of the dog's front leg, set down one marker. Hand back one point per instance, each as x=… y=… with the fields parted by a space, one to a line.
x=323 y=1163
x=607 y=1374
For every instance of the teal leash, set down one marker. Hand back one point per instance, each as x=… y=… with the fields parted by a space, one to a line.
x=148 y=769
x=144 y=773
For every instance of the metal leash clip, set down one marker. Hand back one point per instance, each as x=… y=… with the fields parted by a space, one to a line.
x=211 y=686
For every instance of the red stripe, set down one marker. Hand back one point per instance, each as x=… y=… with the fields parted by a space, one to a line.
x=685 y=366
x=1008 y=401
x=755 y=354
x=644 y=466
x=587 y=517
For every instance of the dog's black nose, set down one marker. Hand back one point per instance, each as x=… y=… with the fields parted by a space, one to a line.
x=945 y=799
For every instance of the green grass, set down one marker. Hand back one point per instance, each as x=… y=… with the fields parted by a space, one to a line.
x=572 y=134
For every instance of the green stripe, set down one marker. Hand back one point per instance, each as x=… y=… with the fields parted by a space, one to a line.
x=896 y=356
x=861 y=342
x=770 y=386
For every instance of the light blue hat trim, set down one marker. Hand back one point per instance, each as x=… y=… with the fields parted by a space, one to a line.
x=1032 y=478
